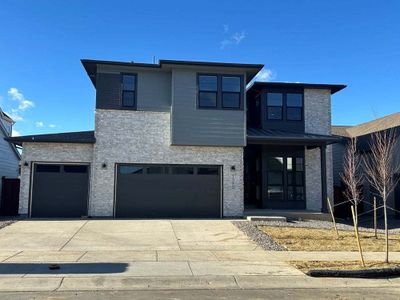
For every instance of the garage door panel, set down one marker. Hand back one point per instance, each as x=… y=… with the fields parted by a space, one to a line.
x=59 y=194
x=183 y=193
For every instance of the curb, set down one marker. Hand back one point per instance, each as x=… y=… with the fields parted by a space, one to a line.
x=370 y=273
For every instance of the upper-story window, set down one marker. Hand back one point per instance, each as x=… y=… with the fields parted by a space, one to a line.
x=128 y=95
x=294 y=107
x=285 y=106
x=231 y=91
x=220 y=91
x=208 y=91
x=274 y=106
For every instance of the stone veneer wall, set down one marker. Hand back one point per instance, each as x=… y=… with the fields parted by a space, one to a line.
x=144 y=137
x=317 y=117
x=48 y=152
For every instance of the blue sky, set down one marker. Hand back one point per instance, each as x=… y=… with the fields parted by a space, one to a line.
x=43 y=84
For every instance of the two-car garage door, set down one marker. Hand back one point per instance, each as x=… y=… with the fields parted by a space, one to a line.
x=141 y=191
x=168 y=191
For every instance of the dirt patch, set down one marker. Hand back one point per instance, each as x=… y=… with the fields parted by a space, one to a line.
x=306 y=266
x=310 y=239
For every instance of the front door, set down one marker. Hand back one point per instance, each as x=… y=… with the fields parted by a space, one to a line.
x=283 y=178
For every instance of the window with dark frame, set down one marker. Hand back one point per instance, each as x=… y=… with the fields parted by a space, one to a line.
x=231 y=87
x=294 y=107
x=128 y=94
x=274 y=106
x=284 y=106
x=220 y=91
x=291 y=188
x=208 y=91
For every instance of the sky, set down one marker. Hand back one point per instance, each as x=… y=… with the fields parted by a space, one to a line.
x=45 y=88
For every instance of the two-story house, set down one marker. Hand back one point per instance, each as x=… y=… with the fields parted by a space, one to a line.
x=181 y=139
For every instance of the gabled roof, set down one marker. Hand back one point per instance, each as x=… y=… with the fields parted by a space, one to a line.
x=90 y=66
x=84 y=137
x=274 y=84
x=384 y=123
x=273 y=136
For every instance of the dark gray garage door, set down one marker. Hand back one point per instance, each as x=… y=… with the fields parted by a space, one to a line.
x=168 y=191
x=59 y=191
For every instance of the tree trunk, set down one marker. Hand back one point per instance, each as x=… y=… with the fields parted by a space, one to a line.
x=386 y=231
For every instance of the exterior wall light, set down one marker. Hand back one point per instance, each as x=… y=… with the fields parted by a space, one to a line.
x=26 y=164
x=233 y=168
x=104 y=165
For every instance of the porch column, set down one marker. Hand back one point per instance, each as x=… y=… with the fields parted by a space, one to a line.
x=324 y=190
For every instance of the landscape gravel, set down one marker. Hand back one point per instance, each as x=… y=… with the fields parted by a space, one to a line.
x=263 y=240
x=4 y=223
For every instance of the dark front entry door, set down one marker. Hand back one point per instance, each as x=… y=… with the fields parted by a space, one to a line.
x=59 y=191
x=283 y=178
x=168 y=191
x=397 y=196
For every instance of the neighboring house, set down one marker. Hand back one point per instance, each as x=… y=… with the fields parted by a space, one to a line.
x=364 y=133
x=9 y=155
x=181 y=139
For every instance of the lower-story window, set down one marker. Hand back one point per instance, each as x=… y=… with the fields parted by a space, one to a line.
x=285 y=178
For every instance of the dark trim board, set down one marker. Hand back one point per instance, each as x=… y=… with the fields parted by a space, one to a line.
x=132 y=190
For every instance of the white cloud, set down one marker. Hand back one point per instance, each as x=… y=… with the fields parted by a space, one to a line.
x=235 y=38
x=39 y=124
x=226 y=28
x=52 y=125
x=15 y=115
x=238 y=37
x=15 y=132
x=265 y=75
x=23 y=104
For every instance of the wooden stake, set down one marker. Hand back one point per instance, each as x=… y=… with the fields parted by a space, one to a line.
x=357 y=236
x=333 y=217
x=375 y=221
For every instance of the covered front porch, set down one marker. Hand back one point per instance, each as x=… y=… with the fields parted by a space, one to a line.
x=287 y=172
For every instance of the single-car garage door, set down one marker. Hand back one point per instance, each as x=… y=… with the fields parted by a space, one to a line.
x=59 y=191
x=168 y=191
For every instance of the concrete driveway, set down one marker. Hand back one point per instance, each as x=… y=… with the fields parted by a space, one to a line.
x=210 y=253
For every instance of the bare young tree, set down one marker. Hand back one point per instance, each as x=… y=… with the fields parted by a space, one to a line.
x=381 y=166
x=352 y=177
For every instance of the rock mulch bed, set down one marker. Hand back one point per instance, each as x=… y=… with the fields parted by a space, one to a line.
x=263 y=240
x=5 y=223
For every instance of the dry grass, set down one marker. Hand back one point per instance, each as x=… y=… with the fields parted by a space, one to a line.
x=305 y=266
x=309 y=239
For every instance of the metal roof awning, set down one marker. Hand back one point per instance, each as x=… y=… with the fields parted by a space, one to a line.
x=280 y=137
x=84 y=137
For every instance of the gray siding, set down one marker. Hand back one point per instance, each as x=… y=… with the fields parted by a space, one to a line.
x=193 y=126
x=153 y=88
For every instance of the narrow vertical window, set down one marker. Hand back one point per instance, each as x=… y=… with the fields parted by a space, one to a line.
x=208 y=90
x=294 y=107
x=231 y=90
x=128 y=90
x=274 y=106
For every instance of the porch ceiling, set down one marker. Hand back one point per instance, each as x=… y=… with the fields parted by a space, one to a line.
x=281 y=137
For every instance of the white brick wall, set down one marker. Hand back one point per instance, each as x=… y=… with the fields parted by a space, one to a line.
x=317 y=117
x=48 y=152
x=144 y=137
